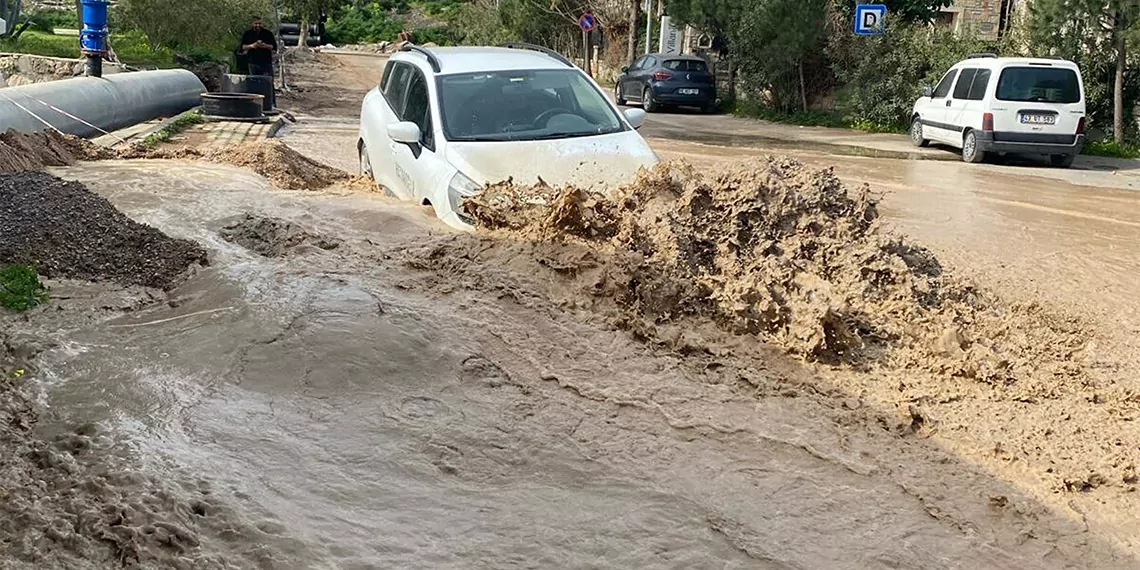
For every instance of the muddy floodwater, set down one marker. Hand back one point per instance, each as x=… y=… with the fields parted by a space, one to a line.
x=353 y=411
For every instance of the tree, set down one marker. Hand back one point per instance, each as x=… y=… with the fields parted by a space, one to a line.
x=177 y=24
x=903 y=11
x=1087 y=31
x=772 y=39
x=634 y=21
x=719 y=16
x=309 y=11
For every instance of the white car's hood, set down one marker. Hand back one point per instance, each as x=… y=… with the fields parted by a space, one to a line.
x=598 y=162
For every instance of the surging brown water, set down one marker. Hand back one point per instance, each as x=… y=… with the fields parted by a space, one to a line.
x=352 y=411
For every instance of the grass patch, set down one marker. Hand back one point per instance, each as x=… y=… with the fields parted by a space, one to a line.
x=21 y=288
x=1111 y=148
x=183 y=122
x=131 y=48
x=810 y=118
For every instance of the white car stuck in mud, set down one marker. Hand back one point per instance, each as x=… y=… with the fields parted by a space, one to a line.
x=444 y=122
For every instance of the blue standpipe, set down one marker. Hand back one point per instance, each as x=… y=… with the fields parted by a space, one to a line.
x=93 y=36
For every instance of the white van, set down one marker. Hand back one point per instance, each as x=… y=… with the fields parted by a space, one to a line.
x=989 y=104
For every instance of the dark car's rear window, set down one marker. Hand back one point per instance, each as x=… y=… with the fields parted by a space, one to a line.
x=1039 y=84
x=686 y=65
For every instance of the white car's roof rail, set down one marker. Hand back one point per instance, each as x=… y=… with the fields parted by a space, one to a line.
x=981 y=55
x=538 y=48
x=432 y=59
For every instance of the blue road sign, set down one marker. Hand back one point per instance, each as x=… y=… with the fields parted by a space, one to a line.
x=870 y=19
x=586 y=22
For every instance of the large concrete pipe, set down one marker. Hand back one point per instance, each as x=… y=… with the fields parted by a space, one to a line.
x=108 y=103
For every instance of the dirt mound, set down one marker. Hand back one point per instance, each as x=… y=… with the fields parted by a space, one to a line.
x=300 y=55
x=273 y=237
x=68 y=231
x=779 y=251
x=273 y=159
x=20 y=152
x=282 y=165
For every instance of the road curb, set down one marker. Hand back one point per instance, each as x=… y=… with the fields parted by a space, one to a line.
x=760 y=142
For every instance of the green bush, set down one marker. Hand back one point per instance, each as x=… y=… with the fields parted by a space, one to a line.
x=40 y=43
x=21 y=288
x=883 y=76
x=439 y=35
x=1111 y=149
x=445 y=9
x=369 y=24
x=481 y=23
x=49 y=20
x=810 y=118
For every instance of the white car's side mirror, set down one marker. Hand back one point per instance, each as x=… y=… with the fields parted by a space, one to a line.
x=636 y=117
x=404 y=132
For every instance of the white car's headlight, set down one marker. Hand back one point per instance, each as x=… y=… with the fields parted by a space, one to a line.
x=458 y=189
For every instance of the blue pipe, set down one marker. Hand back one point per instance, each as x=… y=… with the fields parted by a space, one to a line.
x=93 y=36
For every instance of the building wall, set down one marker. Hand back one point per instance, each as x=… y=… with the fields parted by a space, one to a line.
x=982 y=18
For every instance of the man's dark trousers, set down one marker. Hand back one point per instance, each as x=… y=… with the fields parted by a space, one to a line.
x=255 y=69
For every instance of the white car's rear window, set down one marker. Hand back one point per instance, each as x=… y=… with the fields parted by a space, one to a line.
x=523 y=105
x=1039 y=84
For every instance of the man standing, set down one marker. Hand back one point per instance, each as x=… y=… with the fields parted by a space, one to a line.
x=259 y=44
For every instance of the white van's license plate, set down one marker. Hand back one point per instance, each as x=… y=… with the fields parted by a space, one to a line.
x=1036 y=119
x=689 y=91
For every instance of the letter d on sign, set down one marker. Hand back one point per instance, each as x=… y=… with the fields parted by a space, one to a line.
x=870 y=19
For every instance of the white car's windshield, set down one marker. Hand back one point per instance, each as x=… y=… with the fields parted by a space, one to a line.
x=523 y=105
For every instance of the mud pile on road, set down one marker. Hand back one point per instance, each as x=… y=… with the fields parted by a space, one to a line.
x=21 y=152
x=282 y=165
x=772 y=249
x=273 y=159
x=273 y=237
x=66 y=230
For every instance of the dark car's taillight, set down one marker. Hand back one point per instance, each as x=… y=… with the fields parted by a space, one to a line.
x=662 y=76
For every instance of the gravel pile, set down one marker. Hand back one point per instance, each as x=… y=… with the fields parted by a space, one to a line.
x=68 y=231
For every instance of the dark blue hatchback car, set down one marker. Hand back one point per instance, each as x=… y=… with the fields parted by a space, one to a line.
x=657 y=80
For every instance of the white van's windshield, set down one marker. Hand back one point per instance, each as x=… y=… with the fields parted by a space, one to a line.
x=523 y=106
x=1039 y=84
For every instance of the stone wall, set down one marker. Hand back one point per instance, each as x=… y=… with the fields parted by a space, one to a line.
x=22 y=69
x=979 y=17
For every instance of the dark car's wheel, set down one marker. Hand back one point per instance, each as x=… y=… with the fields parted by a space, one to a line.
x=648 y=102
x=970 y=151
x=619 y=95
x=1062 y=160
x=916 y=137
x=708 y=108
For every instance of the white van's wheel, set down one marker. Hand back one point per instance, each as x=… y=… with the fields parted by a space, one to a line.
x=916 y=133
x=970 y=151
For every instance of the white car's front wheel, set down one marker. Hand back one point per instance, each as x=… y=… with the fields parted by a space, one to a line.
x=366 y=169
x=916 y=135
x=365 y=164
